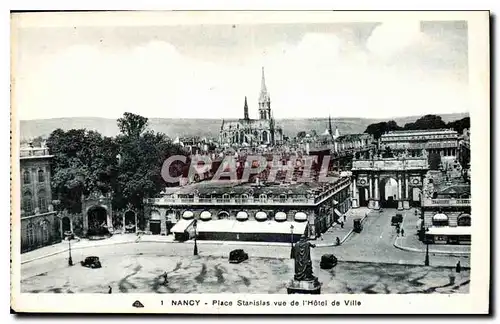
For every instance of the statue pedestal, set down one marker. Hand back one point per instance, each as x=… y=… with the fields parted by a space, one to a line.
x=311 y=287
x=354 y=203
x=400 y=205
x=406 y=204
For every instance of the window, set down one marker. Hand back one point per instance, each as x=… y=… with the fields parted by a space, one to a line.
x=26 y=177
x=225 y=198
x=41 y=176
x=42 y=201
x=262 y=197
x=30 y=234
x=28 y=202
x=45 y=232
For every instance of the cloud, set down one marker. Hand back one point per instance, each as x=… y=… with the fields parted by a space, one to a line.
x=321 y=74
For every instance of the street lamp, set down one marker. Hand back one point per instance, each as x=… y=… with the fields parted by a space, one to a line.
x=426 y=262
x=195 y=224
x=427 y=255
x=70 y=259
x=291 y=242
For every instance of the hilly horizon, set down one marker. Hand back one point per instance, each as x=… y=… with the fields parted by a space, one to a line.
x=204 y=127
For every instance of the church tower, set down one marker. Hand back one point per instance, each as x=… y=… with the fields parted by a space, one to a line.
x=264 y=100
x=245 y=110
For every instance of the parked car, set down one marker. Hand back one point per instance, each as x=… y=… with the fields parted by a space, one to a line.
x=328 y=261
x=358 y=226
x=91 y=262
x=69 y=235
x=398 y=219
x=237 y=256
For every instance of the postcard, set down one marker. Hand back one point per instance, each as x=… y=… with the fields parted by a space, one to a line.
x=250 y=162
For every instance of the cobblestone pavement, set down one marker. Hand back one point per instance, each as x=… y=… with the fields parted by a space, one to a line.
x=140 y=273
x=374 y=244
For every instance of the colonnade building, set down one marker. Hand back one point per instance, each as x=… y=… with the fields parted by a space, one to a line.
x=243 y=211
x=440 y=141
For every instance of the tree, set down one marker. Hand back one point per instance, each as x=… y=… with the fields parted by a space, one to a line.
x=83 y=161
x=132 y=125
x=426 y=122
x=301 y=134
x=378 y=129
x=387 y=152
x=434 y=160
x=459 y=125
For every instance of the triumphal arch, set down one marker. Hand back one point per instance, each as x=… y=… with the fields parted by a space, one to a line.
x=388 y=182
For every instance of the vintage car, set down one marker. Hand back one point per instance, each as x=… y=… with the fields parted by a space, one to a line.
x=358 y=226
x=91 y=262
x=328 y=261
x=237 y=256
x=398 y=219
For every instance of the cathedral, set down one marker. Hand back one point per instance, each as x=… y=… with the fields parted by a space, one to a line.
x=253 y=132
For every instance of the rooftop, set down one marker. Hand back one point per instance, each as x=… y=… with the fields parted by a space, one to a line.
x=207 y=188
x=421 y=132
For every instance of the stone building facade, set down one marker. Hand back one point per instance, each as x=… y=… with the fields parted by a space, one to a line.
x=39 y=223
x=249 y=211
x=441 y=141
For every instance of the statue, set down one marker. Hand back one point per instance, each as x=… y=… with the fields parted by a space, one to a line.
x=304 y=282
x=303 y=264
x=424 y=153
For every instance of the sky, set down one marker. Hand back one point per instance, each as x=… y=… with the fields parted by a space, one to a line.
x=371 y=69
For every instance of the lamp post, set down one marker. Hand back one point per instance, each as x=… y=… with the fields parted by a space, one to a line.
x=427 y=255
x=426 y=262
x=195 y=224
x=291 y=242
x=70 y=259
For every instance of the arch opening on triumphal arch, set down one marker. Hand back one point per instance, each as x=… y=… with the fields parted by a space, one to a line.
x=388 y=182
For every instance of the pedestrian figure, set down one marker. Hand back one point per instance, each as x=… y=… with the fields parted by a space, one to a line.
x=459 y=267
x=165 y=278
x=402 y=232
x=397 y=230
x=416 y=212
x=337 y=240
x=342 y=225
x=110 y=290
x=344 y=218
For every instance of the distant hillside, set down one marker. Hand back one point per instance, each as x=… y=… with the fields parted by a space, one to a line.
x=204 y=127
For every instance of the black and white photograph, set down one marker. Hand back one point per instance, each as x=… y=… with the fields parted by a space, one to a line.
x=250 y=162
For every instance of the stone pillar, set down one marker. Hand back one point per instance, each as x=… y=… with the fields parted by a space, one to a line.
x=406 y=202
x=400 y=201
x=376 y=201
x=123 y=223
x=354 y=194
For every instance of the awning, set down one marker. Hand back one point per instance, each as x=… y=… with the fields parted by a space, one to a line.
x=440 y=217
x=447 y=230
x=300 y=217
x=205 y=215
x=181 y=225
x=188 y=214
x=260 y=216
x=233 y=226
x=280 y=216
x=241 y=216
x=337 y=212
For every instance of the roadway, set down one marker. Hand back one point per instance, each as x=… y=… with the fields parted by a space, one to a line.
x=373 y=244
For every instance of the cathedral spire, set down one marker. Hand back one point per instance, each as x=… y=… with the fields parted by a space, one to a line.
x=245 y=109
x=264 y=100
x=263 y=88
